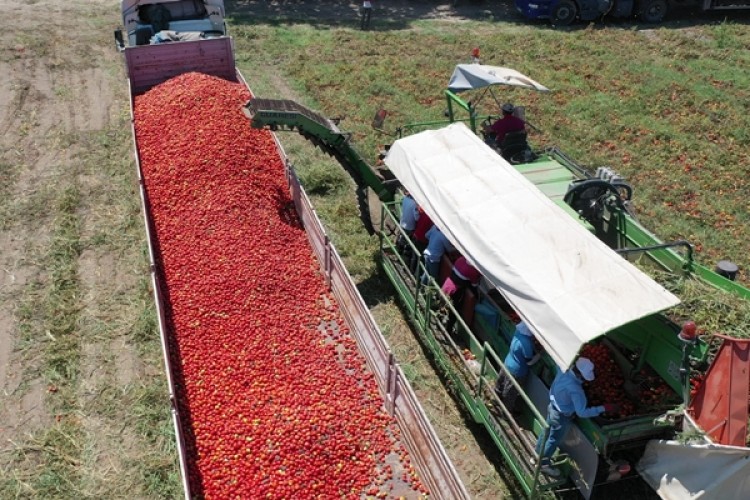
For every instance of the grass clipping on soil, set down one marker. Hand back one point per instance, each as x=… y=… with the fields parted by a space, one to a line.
x=713 y=310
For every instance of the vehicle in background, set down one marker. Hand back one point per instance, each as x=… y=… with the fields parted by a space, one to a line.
x=565 y=12
x=156 y=21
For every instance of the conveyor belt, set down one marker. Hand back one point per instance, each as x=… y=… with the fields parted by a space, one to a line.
x=284 y=114
x=276 y=111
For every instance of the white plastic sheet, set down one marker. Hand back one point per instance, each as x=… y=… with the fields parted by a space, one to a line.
x=678 y=471
x=565 y=283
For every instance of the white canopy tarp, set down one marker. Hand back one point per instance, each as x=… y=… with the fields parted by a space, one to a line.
x=477 y=76
x=687 y=471
x=565 y=283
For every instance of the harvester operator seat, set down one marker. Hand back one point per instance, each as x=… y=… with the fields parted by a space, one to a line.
x=514 y=145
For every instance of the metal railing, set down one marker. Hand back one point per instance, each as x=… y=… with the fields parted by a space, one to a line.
x=471 y=384
x=431 y=461
x=159 y=299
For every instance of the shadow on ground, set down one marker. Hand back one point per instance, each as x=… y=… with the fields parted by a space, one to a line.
x=394 y=15
x=387 y=14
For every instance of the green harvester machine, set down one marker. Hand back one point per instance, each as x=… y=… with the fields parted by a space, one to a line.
x=572 y=262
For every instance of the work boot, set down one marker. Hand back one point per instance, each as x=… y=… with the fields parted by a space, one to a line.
x=550 y=471
x=546 y=469
x=498 y=391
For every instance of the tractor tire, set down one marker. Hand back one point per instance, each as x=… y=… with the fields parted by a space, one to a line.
x=564 y=13
x=652 y=11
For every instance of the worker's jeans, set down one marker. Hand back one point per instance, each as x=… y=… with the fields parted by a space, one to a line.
x=433 y=268
x=365 y=21
x=507 y=392
x=558 y=426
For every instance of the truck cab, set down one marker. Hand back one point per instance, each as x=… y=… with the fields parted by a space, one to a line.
x=564 y=12
x=144 y=20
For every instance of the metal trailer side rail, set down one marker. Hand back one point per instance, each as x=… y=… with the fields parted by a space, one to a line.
x=159 y=304
x=431 y=460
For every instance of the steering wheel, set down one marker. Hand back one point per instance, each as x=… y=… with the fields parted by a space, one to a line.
x=589 y=196
x=487 y=134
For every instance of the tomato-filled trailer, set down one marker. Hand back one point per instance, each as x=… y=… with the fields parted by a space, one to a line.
x=150 y=66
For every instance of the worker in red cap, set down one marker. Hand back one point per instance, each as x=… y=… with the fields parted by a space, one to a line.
x=567 y=399
x=508 y=123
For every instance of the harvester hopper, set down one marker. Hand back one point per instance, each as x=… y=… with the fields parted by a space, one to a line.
x=720 y=400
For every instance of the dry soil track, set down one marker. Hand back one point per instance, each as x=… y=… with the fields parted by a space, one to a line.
x=79 y=366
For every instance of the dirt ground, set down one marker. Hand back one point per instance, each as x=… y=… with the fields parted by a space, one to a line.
x=390 y=10
x=73 y=280
x=30 y=113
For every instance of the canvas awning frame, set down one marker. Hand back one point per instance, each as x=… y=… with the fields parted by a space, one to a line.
x=562 y=280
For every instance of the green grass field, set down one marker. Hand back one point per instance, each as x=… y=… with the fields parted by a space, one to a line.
x=663 y=107
x=666 y=108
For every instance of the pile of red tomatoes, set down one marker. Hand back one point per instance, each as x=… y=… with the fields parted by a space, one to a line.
x=274 y=396
x=649 y=392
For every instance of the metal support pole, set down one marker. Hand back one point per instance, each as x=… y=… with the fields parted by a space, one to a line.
x=687 y=349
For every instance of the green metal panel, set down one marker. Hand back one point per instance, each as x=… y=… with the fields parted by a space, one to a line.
x=545 y=169
x=653 y=340
x=555 y=190
x=552 y=178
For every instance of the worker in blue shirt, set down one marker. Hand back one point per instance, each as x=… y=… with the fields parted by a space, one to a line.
x=437 y=246
x=408 y=221
x=567 y=399
x=520 y=357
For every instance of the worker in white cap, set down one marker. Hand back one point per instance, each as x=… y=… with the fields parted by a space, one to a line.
x=567 y=399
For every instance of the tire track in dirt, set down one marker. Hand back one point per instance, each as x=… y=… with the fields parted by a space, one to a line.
x=22 y=393
x=59 y=106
